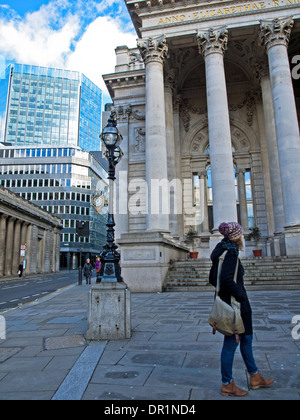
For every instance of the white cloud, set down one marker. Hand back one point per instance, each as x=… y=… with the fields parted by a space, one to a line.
x=56 y=36
x=95 y=52
x=34 y=40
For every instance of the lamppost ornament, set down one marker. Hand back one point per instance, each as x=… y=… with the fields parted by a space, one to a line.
x=110 y=257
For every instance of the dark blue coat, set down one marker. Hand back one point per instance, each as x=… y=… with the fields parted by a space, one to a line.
x=228 y=287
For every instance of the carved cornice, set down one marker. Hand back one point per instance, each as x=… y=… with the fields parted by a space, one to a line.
x=153 y=49
x=214 y=40
x=276 y=31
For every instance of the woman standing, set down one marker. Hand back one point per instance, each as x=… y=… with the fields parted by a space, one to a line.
x=233 y=243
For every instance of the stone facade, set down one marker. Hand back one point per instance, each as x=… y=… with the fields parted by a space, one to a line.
x=209 y=114
x=27 y=233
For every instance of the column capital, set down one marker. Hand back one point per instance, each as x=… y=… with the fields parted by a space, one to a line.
x=276 y=31
x=153 y=49
x=240 y=171
x=202 y=174
x=4 y=216
x=214 y=40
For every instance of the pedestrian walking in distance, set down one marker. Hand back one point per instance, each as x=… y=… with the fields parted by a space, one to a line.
x=233 y=243
x=20 y=270
x=87 y=271
x=98 y=267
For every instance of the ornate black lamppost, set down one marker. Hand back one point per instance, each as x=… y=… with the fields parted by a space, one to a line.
x=110 y=257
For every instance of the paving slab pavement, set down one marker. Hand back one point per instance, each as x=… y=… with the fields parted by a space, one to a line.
x=171 y=356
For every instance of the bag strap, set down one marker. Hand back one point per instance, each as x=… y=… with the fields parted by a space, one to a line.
x=221 y=260
x=236 y=270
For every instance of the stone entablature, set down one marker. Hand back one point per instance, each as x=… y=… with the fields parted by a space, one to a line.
x=152 y=15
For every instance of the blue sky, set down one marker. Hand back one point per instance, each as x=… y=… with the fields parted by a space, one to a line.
x=78 y=35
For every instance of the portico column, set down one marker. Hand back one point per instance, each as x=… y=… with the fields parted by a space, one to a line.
x=275 y=36
x=9 y=247
x=3 y=219
x=242 y=198
x=271 y=137
x=212 y=45
x=176 y=190
x=17 y=246
x=154 y=51
x=203 y=201
x=30 y=268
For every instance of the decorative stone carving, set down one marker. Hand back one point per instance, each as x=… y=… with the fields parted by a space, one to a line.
x=140 y=140
x=170 y=79
x=135 y=58
x=181 y=57
x=262 y=69
x=153 y=49
x=126 y=111
x=276 y=31
x=185 y=109
x=200 y=141
x=213 y=40
x=138 y=115
x=239 y=139
x=249 y=102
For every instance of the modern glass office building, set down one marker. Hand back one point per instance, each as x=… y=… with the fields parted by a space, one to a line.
x=63 y=181
x=49 y=107
x=50 y=119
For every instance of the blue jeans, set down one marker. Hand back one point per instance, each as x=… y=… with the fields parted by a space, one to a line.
x=229 y=347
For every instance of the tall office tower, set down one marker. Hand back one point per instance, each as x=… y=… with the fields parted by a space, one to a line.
x=50 y=121
x=49 y=107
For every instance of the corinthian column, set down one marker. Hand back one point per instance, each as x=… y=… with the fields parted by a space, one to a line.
x=212 y=44
x=275 y=36
x=154 y=52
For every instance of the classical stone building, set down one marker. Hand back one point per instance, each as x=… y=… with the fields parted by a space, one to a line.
x=208 y=105
x=27 y=233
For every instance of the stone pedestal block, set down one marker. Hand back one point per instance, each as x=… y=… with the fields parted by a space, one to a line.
x=109 y=315
x=146 y=259
x=292 y=241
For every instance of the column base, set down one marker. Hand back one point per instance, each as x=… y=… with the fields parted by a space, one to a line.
x=292 y=240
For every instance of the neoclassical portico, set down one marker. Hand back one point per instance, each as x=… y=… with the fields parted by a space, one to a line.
x=209 y=111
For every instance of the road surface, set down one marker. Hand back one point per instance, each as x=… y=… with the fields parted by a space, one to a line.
x=14 y=293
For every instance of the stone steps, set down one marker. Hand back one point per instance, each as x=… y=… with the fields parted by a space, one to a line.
x=261 y=273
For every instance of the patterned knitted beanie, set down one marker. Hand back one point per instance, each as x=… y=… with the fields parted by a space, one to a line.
x=230 y=230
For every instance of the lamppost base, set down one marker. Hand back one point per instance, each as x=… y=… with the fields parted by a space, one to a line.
x=109 y=312
x=110 y=268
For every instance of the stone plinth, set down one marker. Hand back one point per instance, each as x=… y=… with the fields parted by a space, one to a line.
x=145 y=259
x=109 y=312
